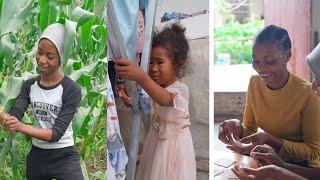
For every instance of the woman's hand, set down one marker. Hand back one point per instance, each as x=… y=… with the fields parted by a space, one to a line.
x=13 y=124
x=230 y=130
x=260 y=138
x=265 y=172
x=265 y=155
x=261 y=173
x=257 y=138
x=129 y=70
x=241 y=149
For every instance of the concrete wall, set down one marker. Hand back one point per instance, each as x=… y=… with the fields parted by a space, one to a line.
x=229 y=103
x=198 y=81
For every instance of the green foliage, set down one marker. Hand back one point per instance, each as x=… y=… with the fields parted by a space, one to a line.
x=21 y=24
x=236 y=39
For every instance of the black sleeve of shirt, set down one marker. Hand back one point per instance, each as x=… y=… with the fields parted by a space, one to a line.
x=22 y=100
x=71 y=98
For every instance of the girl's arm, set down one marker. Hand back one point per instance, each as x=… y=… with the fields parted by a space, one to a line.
x=158 y=94
x=131 y=71
x=12 y=120
x=71 y=99
x=13 y=124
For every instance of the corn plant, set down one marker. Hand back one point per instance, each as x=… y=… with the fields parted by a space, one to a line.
x=21 y=24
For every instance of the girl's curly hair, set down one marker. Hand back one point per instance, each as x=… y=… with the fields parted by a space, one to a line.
x=174 y=41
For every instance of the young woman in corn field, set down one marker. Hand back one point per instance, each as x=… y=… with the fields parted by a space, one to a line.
x=53 y=98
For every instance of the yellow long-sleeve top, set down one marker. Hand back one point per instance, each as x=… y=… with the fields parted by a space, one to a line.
x=291 y=113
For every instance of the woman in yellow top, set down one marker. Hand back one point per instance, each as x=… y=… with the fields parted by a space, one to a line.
x=283 y=105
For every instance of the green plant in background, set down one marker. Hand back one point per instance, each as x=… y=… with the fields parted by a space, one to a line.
x=236 y=39
x=21 y=24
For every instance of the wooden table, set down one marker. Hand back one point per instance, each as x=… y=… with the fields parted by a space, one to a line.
x=222 y=173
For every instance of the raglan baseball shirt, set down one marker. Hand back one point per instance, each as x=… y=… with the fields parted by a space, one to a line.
x=53 y=108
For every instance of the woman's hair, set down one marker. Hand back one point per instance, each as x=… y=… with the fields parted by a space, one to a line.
x=273 y=33
x=174 y=41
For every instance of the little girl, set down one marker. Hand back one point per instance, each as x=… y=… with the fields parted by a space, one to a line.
x=168 y=151
x=53 y=98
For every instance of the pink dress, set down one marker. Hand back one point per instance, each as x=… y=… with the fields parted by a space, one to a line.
x=168 y=152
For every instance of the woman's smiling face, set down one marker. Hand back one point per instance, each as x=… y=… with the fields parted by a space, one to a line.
x=47 y=57
x=270 y=61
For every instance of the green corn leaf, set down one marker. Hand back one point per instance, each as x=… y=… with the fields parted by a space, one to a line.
x=71 y=35
x=72 y=65
x=79 y=118
x=48 y=13
x=85 y=128
x=26 y=119
x=76 y=65
x=88 y=4
x=85 y=38
x=1 y=60
x=1 y=1
x=18 y=20
x=64 y=2
x=99 y=8
x=8 y=11
x=8 y=51
x=5 y=147
x=85 y=80
x=87 y=69
x=80 y=15
x=15 y=160
x=99 y=37
x=10 y=92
